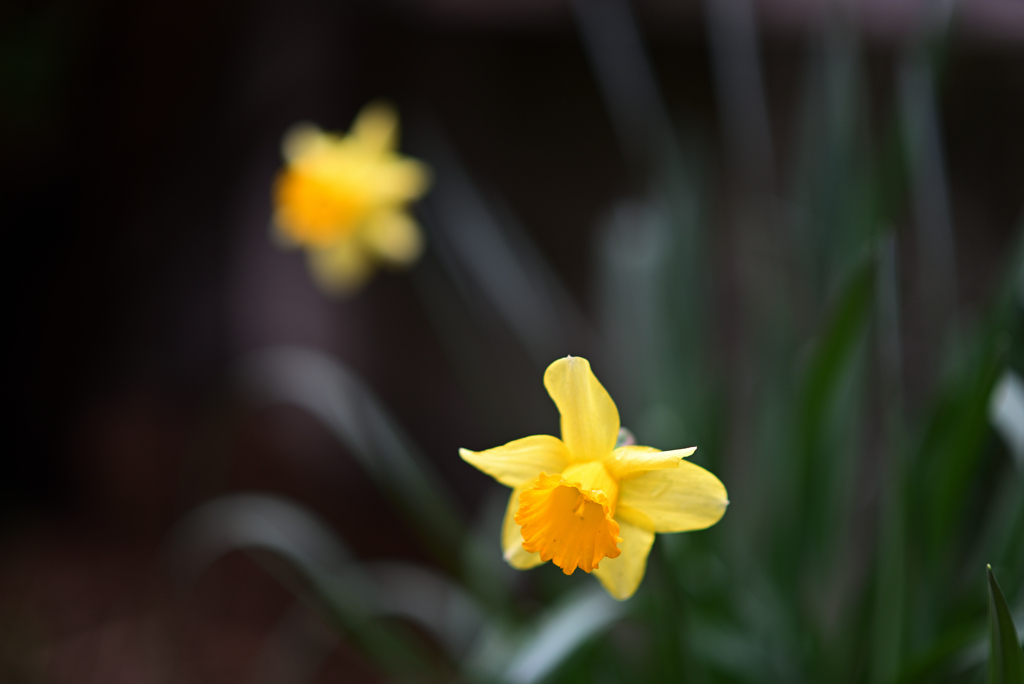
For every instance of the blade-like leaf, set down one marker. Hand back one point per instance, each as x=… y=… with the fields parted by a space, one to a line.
x=496 y=269
x=433 y=601
x=1006 y=663
x=612 y=38
x=323 y=386
x=317 y=569
x=560 y=632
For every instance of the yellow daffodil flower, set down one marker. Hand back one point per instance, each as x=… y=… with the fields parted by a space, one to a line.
x=344 y=198
x=583 y=503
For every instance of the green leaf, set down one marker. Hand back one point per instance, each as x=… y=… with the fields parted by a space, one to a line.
x=331 y=392
x=1006 y=663
x=558 y=632
x=316 y=568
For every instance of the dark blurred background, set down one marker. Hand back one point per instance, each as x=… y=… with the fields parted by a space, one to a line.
x=139 y=142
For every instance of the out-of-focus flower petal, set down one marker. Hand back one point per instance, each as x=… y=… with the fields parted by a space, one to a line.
x=340 y=269
x=590 y=421
x=400 y=180
x=376 y=127
x=301 y=139
x=394 y=237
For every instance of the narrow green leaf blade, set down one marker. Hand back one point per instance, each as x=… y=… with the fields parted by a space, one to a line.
x=322 y=385
x=1006 y=664
x=559 y=632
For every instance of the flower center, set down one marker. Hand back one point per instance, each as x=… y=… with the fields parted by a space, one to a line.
x=568 y=518
x=315 y=210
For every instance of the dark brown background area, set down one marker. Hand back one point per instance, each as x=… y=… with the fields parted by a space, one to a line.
x=139 y=141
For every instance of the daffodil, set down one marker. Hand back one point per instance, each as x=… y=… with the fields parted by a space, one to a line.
x=344 y=198
x=582 y=502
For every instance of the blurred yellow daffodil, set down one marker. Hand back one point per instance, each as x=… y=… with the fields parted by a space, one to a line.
x=344 y=198
x=580 y=501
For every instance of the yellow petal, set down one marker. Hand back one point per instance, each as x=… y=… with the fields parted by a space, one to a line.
x=396 y=180
x=300 y=139
x=376 y=127
x=621 y=576
x=340 y=269
x=512 y=535
x=590 y=421
x=393 y=236
x=632 y=461
x=673 y=500
x=521 y=461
